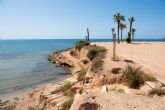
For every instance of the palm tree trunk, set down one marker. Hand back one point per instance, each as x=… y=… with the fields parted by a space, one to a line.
x=114 y=46
x=118 y=33
x=130 y=30
x=88 y=33
x=121 y=35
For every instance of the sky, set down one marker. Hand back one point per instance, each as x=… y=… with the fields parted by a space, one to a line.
x=60 y=19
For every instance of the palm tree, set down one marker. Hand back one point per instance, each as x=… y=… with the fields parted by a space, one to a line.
x=122 y=26
x=131 y=20
x=133 y=33
x=118 y=18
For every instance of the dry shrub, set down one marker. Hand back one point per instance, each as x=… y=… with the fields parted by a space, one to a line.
x=115 y=70
x=111 y=79
x=157 y=91
x=81 y=44
x=66 y=105
x=81 y=75
x=89 y=106
x=96 y=51
x=85 y=61
x=63 y=88
x=97 y=65
x=71 y=92
x=134 y=76
x=72 y=53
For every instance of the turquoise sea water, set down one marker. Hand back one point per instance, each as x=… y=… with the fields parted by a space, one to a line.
x=24 y=65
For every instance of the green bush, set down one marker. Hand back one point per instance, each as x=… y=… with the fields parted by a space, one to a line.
x=81 y=75
x=85 y=61
x=81 y=44
x=96 y=51
x=157 y=91
x=134 y=77
x=97 y=65
x=92 y=54
x=128 y=40
x=66 y=105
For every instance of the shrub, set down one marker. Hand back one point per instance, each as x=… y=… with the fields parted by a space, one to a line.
x=81 y=75
x=128 y=40
x=89 y=106
x=85 y=61
x=115 y=70
x=97 y=65
x=117 y=90
x=134 y=77
x=63 y=88
x=71 y=92
x=67 y=104
x=149 y=77
x=81 y=44
x=96 y=51
x=157 y=91
x=72 y=53
x=92 y=54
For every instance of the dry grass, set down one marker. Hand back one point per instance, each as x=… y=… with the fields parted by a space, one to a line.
x=96 y=51
x=97 y=65
x=81 y=44
x=63 y=88
x=134 y=76
x=157 y=91
x=66 y=105
x=81 y=75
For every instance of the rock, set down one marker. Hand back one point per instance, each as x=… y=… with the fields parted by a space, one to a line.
x=146 y=90
x=104 y=89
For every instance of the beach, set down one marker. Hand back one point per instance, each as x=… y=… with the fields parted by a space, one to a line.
x=148 y=55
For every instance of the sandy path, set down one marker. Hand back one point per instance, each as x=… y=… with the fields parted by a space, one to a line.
x=151 y=55
x=121 y=101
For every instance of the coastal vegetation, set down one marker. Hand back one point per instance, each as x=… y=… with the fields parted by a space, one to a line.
x=122 y=27
x=97 y=65
x=157 y=91
x=66 y=86
x=131 y=20
x=85 y=61
x=79 y=45
x=81 y=75
x=134 y=77
x=118 y=18
x=96 y=51
x=67 y=104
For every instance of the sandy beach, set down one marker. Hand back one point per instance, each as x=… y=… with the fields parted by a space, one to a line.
x=150 y=55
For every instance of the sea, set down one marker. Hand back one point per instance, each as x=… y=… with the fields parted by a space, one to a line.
x=24 y=65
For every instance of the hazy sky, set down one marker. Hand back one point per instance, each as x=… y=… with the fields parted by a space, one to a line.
x=69 y=18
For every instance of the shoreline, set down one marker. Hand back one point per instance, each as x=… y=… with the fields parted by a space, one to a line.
x=74 y=63
x=9 y=96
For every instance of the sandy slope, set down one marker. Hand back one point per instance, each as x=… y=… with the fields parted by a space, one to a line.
x=151 y=55
x=121 y=101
